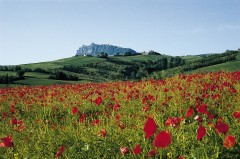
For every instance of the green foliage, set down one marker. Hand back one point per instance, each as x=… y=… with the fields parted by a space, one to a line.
x=102 y=55
x=151 y=52
x=5 y=79
x=142 y=72
x=93 y=69
x=20 y=74
x=59 y=75
x=17 y=68
x=211 y=60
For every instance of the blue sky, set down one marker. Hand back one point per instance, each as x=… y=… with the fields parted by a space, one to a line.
x=43 y=30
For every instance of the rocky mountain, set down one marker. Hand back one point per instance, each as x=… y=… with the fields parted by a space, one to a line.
x=94 y=49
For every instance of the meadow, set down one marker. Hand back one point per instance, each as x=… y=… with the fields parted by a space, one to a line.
x=191 y=116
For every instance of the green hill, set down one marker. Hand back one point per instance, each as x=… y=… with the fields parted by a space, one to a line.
x=82 y=69
x=227 y=66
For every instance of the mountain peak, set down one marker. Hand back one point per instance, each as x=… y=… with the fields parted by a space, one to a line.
x=93 y=49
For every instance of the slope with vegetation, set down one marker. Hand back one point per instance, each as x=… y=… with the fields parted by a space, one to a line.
x=81 y=69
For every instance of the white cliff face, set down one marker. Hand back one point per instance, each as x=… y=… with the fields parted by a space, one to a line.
x=93 y=49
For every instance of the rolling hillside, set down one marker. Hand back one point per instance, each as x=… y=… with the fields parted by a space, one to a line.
x=40 y=78
x=94 y=69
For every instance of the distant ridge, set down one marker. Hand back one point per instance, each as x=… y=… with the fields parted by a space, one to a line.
x=93 y=49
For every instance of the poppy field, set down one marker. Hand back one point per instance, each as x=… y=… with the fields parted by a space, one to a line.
x=186 y=116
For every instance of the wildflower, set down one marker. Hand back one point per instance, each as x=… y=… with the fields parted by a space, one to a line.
x=98 y=100
x=124 y=150
x=190 y=112
x=229 y=141
x=6 y=142
x=102 y=133
x=222 y=127
x=202 y=109
x=162 y=140
x=74 y=110
x=150 y=128
x=201 y=132
x=180 y=157
x=137 y=150
x=236 y=114
x=60 y=151
x=82 y=118
x=96 y=122
x=152 y=153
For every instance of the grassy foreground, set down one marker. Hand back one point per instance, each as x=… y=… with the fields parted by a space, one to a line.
x=186 y=116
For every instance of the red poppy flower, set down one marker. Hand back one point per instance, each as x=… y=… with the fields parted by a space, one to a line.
x=150 y=128
x=152 y=153
x=4 y=114
x=137 y=150
x=14 y=121
x=198 y=118
x=201 y=132
x=82 y=118
x=96 y=122
x=210 y=116
x=189 y=112
x=98 y=100
x=124 y=150
x=121 y=126
x=74 y=110
x=162 y=140
x=169 y=121
x=60 y=151
x=229 y=141
x=102 y=133
x=180 y=157
x=222 y=127
x=6 y=142
x=165 y=90
x=202 y=109
x=236 y=114
x=117 y=117
x=116 y=107
x=172 y=121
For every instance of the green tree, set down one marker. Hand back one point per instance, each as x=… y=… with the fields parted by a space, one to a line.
x=142 y=72
x=102 y=55
x=170 y=64
x=177 y=61
x=164 y=63
x=20 y=74
x=17 y=68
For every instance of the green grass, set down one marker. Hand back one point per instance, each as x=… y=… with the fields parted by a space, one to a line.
x=111 y=66
x=191 y=58
x=8 y=85
x=36 y=75
x=73 y=61
x=139 y=58
x=37 y=82
x=80 y=60
x=228 y=67
x=10 y=73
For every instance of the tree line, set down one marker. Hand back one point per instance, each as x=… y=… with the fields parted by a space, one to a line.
x=211 y=60
x=125 y=70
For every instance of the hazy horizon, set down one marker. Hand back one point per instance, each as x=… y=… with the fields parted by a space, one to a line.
x=44 y=30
